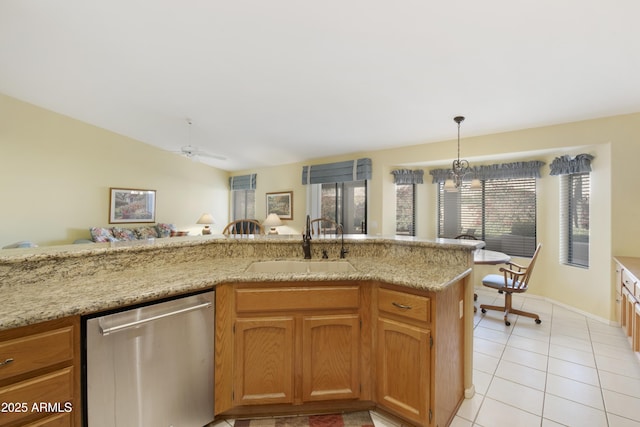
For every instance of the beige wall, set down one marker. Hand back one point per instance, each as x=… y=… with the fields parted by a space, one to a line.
x=56 y=173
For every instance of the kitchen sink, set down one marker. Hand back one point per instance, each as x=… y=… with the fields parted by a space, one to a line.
x=292 y=266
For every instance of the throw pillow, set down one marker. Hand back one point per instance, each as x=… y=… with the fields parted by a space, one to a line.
x=101 y=235
x=146 y=232
x=164 y=230
x=123 y=233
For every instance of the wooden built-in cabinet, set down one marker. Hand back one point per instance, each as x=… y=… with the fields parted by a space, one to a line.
x=420 y=353
x=40 y=374
x=327 y=346
x=627 y=288
x=290 y=344
x=403 y=368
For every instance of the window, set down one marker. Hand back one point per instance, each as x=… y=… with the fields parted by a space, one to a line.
x=346 y=204
x=338 y=191
x=243 y=196
x=502 y=213
x=243 y=204
x=405 y=209
x=405 y=181
x=575 y=192
x=574 y=242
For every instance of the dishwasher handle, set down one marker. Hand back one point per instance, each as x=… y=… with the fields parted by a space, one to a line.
x=129 y=325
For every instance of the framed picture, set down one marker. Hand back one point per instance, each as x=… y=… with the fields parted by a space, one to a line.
x=281 y=204
x=130 y=205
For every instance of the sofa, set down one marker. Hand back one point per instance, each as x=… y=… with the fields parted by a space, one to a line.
x=22 y=244
x=118 y=234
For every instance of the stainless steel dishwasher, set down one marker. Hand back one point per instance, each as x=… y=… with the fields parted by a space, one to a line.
x=152 y=366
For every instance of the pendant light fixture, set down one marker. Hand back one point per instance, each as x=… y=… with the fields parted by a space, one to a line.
x=459 y=168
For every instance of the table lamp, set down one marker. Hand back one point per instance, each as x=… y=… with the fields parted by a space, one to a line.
x=273 y=221
x=206 y=219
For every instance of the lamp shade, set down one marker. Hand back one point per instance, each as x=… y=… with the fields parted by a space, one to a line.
x=272 y=220
x=449 y=185
x=206 y=218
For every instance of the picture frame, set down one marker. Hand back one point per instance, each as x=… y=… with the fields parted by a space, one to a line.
x=280 y=203
x=130 y=205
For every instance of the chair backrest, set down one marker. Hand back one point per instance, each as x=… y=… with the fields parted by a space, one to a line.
x=466 y=237
x=524 y=282
x=243 y=226
x=323 y=226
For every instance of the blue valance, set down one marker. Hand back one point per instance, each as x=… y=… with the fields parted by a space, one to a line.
x=513 y=170
x=407 y=176
x=243 y=182
x=350 y=170
x=565 y=165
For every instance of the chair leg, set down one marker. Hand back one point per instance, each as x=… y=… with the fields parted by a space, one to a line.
x=527 y=314
x=507 y=308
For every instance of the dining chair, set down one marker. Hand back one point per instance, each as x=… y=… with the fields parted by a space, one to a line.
x=323 y=226
x=513 y=280
x=466 y=237
x=243 y=226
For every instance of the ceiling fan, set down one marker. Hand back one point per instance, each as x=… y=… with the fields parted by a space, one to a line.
x=191 y=152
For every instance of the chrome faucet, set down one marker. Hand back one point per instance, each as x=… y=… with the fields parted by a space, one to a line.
x=306 y=240
x=343 y=251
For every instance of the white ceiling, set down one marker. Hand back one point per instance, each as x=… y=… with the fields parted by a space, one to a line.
x=269 y=82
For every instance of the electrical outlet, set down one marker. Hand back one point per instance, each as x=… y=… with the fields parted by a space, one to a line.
x=461 y=308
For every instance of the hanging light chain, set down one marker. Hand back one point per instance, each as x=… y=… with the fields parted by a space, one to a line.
x=459 y=167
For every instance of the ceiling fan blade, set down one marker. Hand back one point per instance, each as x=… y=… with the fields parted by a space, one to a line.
x=213 y=156
x=192 y=152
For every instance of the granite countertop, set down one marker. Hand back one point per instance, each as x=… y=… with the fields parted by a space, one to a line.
x=632 y=264
x=50 y=284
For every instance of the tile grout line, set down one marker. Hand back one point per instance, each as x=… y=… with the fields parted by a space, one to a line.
x=595 y=361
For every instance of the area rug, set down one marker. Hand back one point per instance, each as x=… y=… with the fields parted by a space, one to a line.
x=351 y=419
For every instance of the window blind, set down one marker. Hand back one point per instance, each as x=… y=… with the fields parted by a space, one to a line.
x=502 y=213
x=405 y=209
x=243 y=182
x=350 y=170
x=244 y=204
x=575 y=193
x=529 y=169
x=407 y=176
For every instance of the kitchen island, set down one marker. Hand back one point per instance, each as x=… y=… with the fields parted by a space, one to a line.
x=45 y=284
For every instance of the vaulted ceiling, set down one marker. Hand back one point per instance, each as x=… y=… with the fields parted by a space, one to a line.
x=273 y=82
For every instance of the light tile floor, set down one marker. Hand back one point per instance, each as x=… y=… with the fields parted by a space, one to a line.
x=568 y=371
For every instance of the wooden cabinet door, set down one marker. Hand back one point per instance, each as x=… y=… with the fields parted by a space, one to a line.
x=628 y=301
x=618 y=302
x=330 y=357
x=636 y=328
x=264 y=349
x=41 y=384
x=403 y=369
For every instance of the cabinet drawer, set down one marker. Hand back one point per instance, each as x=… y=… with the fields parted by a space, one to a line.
x=36 y=351
x=297 y=298
x=629 y=281
x=54 y=390
x=410 y=306
x=619 y=270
